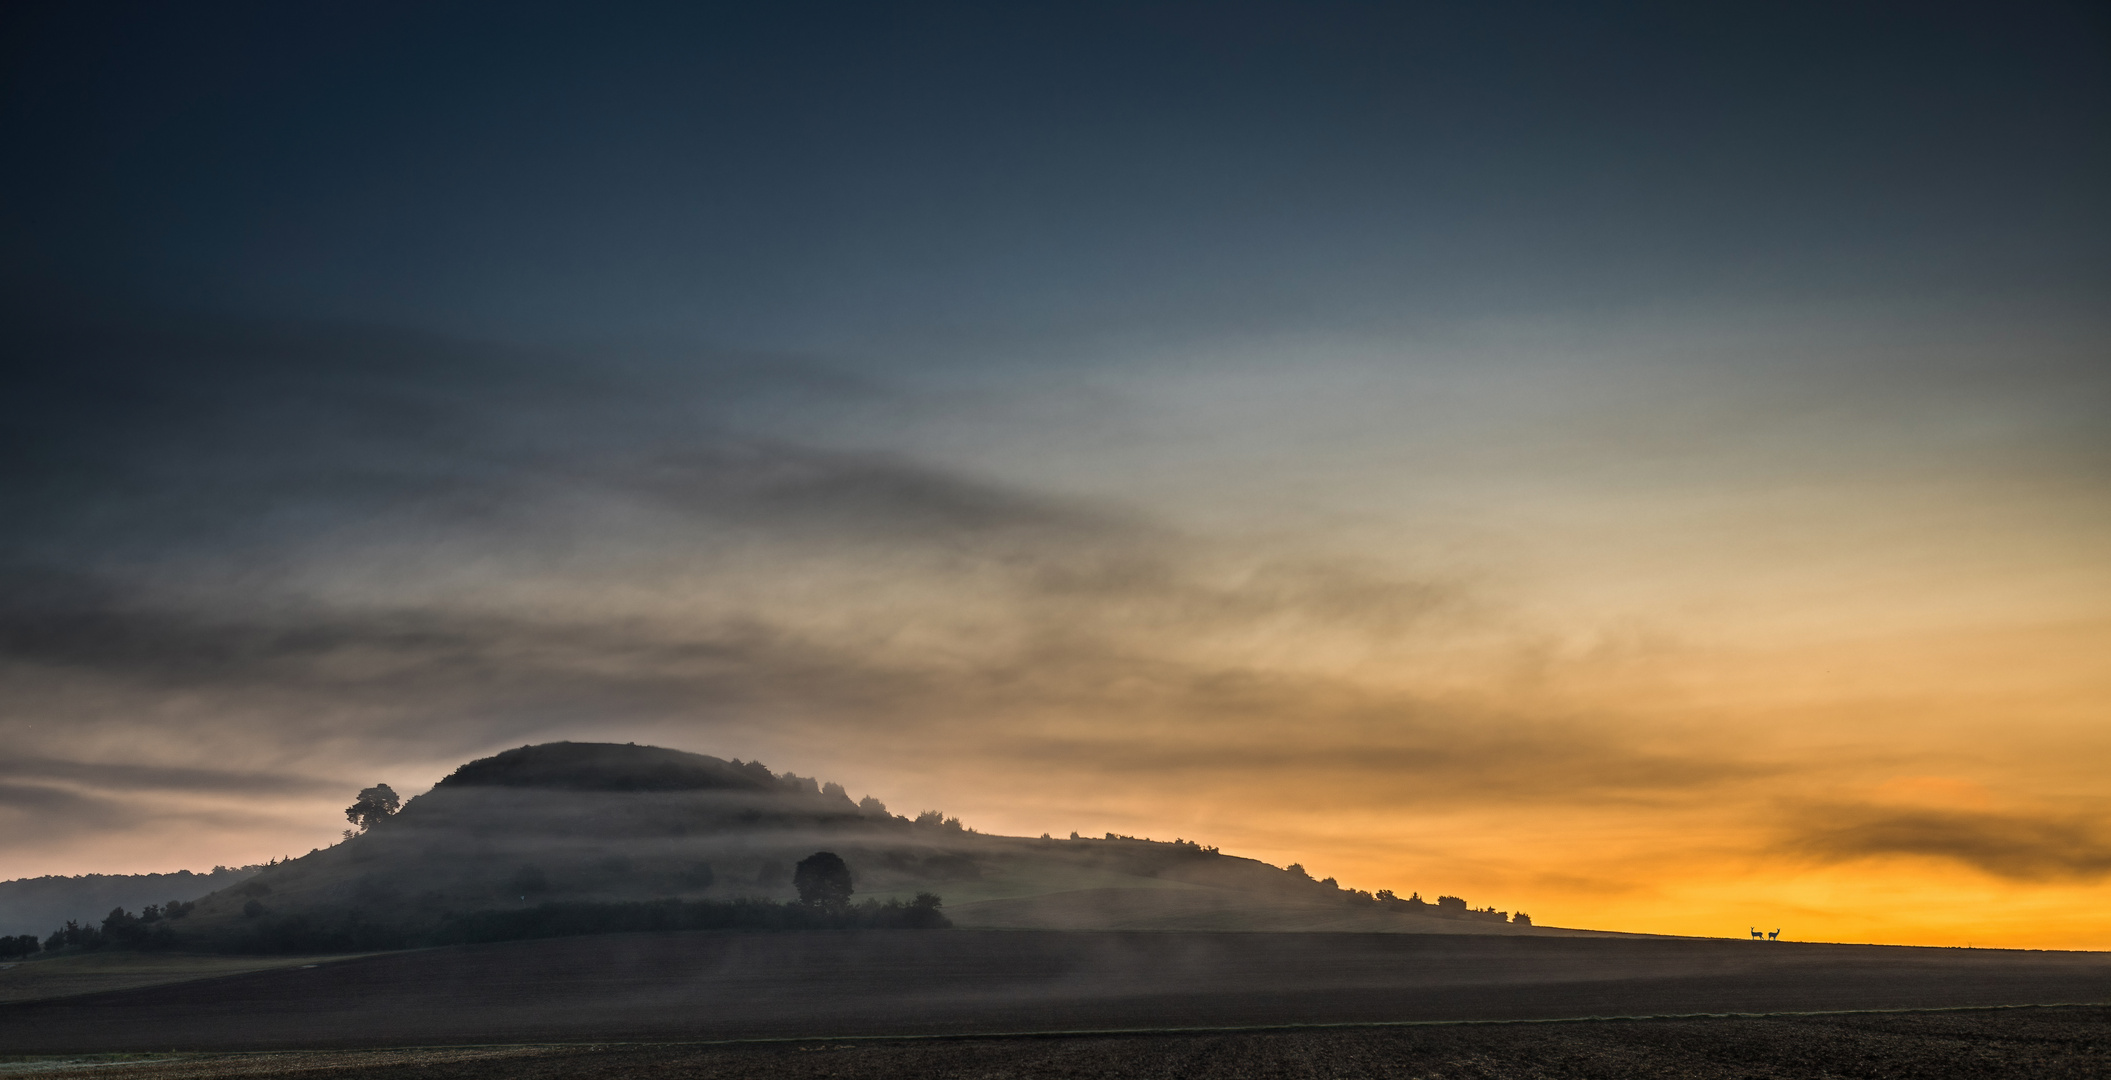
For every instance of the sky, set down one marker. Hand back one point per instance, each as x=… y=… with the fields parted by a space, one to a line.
x=1641 y=465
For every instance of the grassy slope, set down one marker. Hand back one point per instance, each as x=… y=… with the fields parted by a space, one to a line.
x=617 y=823
x=465 y=850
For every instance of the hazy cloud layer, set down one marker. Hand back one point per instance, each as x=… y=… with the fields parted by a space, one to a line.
x=157 y=778
x=2023 y=847
x=343 y=554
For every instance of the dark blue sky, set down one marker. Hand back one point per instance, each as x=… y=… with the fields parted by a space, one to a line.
x=806 y=174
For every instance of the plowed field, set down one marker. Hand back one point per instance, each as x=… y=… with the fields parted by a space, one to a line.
x=2039 y=1044
x=727 y=986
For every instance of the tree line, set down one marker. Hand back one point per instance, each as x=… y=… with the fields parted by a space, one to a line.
x=146 y=931
x=825 y=903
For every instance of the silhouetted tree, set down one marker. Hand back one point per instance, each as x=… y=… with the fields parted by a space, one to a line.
x=128 y=931
x=923 y=914
x=373 y=807
x=74 y=935
x=823 y=881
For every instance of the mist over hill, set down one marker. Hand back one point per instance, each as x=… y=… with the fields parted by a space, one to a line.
x=592 y=826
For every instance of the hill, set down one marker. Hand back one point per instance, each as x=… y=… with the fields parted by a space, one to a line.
x=603 y=824
x=35 y=905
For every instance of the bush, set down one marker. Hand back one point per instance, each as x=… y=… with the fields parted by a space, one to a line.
x=74 y=936
x=823 y=881
x=923 y=914
x=127 y=931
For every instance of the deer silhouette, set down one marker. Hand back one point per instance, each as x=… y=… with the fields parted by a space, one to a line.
x=1775 y=936
x=1757 y=934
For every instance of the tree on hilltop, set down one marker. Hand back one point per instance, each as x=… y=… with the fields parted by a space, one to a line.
x=374 y=806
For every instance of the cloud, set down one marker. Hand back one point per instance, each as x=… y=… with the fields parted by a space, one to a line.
x=134 y=778
x=305 y=550
x=58 y=803
x=37 y=815
x=880 y=494
x=2020 y=847
x=137 y=435
x=342 y=515
x=1084 y=688
x=1356 y=748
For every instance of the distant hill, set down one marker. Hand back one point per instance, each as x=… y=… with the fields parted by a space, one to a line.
x=598 y=823
x=36 y=905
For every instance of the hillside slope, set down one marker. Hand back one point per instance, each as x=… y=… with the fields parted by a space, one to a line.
x=606 y=823
x=35 y=905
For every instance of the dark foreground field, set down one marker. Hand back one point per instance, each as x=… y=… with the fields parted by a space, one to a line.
x=2039 y=1043
x=699 y=986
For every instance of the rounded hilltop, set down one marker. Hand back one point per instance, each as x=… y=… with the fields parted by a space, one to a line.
x=574 y=766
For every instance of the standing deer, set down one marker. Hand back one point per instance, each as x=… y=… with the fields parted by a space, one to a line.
x=1775 y=936
x=1757 y=934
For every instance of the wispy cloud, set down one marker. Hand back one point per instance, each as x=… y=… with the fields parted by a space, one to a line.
x=131 y=778
x=2018 y=846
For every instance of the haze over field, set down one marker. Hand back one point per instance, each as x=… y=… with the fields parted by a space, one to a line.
x=1652 y=469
